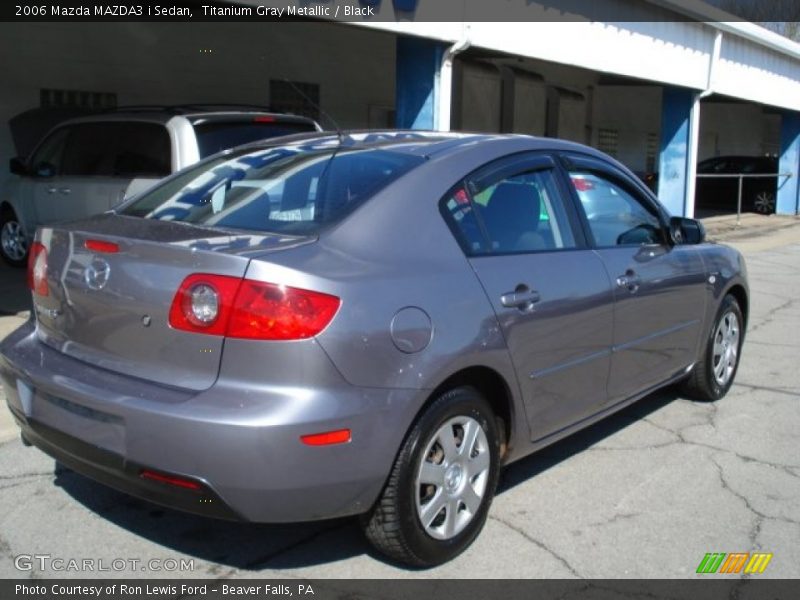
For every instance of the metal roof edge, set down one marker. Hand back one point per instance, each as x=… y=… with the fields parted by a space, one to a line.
x=727 y=22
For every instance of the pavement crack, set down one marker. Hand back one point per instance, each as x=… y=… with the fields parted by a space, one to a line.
x=615 y=519
x=770 y=316
x=26 y=475
x=538 y=544
x=765 y=388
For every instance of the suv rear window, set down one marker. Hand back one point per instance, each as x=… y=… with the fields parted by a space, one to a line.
x=215 y=136
x=286 y=189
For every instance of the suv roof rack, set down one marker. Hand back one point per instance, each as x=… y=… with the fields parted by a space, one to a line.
x=179 y=109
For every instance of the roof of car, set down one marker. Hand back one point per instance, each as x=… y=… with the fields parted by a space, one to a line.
x=414 y=141
x=163 y=115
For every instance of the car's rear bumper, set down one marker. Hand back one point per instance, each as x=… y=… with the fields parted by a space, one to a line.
x=241 y=445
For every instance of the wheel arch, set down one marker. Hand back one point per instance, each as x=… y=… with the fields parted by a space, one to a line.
x=494 y=388
x=6 y=206
x=738 y=292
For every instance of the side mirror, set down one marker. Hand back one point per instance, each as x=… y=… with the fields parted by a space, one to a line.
x=686 y=231
x=17 y=166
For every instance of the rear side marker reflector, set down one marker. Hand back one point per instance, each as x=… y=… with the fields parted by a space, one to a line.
x=101 y=246
x=180 y=482
x=329 y=438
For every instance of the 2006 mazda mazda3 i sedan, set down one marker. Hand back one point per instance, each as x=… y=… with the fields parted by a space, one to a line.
x=364 y=324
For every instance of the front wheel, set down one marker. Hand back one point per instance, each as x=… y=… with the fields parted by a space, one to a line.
x=714 y=373
x=13 y=243
x=441 y=486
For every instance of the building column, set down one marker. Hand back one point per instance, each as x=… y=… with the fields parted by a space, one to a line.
x=680 y=121
x=417 y=93
x=788 y=198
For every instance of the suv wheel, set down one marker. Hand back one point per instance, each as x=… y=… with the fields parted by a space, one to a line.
x=441 y=486
x=13 y=243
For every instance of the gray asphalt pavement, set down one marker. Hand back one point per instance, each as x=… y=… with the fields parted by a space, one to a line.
x=645 y=494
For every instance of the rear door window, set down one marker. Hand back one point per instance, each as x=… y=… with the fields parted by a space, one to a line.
x=117 y=149
x=506 y=211
x=142 y=150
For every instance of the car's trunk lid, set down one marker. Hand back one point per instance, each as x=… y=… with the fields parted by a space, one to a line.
x=111 y=309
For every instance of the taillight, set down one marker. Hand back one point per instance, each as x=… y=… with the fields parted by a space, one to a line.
x=37 y=269
x=203 y=303
x=243 y=308
x=266 y=311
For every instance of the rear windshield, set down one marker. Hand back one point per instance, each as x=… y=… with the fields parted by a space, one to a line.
x=288 y=189
x=213 y=137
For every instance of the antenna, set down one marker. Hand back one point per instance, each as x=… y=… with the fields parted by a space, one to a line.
x=318 y=107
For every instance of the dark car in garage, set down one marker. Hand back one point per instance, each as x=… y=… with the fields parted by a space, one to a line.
x=717 y=185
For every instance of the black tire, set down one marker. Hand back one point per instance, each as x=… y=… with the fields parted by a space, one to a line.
x=394 y=525
x=9 y=219
x=703 y=383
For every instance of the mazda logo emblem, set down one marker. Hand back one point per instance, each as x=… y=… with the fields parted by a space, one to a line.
x=96 y=274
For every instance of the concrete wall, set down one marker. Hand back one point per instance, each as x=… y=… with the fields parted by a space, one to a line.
x=634 y=112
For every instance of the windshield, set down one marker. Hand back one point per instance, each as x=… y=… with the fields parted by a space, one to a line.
x=290 y=189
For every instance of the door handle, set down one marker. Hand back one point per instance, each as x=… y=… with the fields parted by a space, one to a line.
x=65 y=190
x=522 y=298
x=630 y=281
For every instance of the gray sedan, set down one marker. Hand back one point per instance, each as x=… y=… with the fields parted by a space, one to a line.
x=364 y=324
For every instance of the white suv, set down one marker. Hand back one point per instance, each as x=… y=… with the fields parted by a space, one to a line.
x=86 y=166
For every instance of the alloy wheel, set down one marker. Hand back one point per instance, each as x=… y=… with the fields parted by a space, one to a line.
x=726 y=348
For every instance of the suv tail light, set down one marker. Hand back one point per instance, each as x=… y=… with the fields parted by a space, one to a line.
x=37 y=269
x=247 y=309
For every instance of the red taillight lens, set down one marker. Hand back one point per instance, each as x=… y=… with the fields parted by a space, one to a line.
x=37 y=269
x=264 y=120
x=582 y=185
x=266 y=311
x=243 y=308
x=340 y=436
x=203 y=303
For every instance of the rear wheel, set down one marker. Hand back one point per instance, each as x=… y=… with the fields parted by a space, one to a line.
x=441 y=486
x=713 y=375
x=13 y=243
